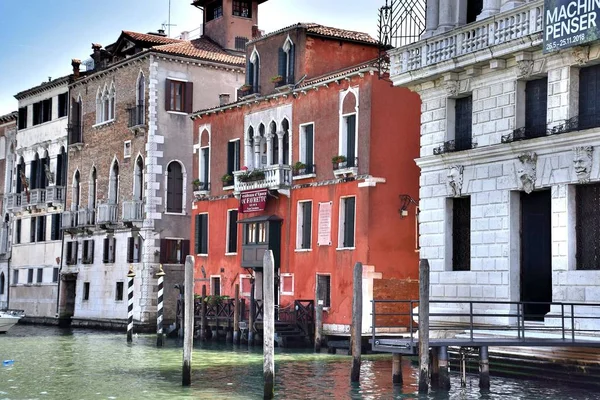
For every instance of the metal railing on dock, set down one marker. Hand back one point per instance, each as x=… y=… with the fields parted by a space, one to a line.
x=487 y=323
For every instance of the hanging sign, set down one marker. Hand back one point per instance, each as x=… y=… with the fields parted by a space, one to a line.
x=324 y=234
x=569 y=23
x=253 y=201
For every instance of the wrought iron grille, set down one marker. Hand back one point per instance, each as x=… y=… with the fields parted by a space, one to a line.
x=401 y=22
x=526 y=133
x=588 y=227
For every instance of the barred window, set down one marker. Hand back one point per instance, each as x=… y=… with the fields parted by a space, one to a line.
x=588 y=227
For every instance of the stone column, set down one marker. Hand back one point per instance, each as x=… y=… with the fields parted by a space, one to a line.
x=490 y=7
x=280 y=153
x=510 y=4
x=249 y=154
x=447 y=15
x=53 y=168
x=269 y=149
x=257 y=155
x=432 y=18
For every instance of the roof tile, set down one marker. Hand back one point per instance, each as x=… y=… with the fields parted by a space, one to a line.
x=146 y=37
x=202 y=48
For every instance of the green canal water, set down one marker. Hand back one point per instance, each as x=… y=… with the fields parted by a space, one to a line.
x=50 y=363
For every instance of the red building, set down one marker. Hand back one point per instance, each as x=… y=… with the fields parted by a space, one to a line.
x=267 y=177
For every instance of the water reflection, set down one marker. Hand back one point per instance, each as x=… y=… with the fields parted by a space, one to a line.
x=63 y=364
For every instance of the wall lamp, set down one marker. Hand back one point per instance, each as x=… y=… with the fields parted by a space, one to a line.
x=405 y=201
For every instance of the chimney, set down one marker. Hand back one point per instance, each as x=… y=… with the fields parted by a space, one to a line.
x=161 y=32
x=185 y=35
x=223 y=99
x=75 y=63
x=255 y=32
x=96 y=55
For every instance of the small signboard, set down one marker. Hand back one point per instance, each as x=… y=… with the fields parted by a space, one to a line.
x=253 y=201
x=569 y=23
x=324 y=234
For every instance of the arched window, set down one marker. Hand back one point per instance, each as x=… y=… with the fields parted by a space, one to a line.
x=274 y=143
x=2 y=283
x=141 y=99
x=138 y=179
x=261 y=147
x=111 y=102
x=253 y=72
x=76 y=191
x=99 y=107
x=113 y=184
x=34 y=173
x=249 y=153
x=105 y=104
x=174 y=187
x=92 y=189
x=61 y=168
x=46 y=176
x=285 y=126
x=21 y=179
x=204 y=164
x=286 y=62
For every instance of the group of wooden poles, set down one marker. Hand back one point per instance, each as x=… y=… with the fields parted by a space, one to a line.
x=437 y=359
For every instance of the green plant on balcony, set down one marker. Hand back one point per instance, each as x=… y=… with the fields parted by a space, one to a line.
x=246 y=87
x=227 y=180
x=337 y=161
x=298 y=167
x=196 y=184
x=252 y=176
x=276 y=78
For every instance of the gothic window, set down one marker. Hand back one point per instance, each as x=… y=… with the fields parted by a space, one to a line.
x=113 y=184
x=287 y=61
x=138 y=179
x=76 y=191
x=174 y=187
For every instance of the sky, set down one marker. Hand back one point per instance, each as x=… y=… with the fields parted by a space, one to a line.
x=38 y=38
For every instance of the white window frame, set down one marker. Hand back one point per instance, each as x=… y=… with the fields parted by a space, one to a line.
x=207 y=235
x=184 y=194
x=317 y=288
x=300 y=227
x=212 y=280
x=343 y=131
x=341 y=221
x=302 y=149
x=286 y=275
x=242 y=277
x=227 y=252
x=127 y=149
x=287 y=46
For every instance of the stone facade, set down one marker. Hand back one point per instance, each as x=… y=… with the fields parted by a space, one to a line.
x=499 y=167
x=8 y=131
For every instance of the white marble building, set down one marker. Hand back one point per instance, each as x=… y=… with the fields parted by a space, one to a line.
x=510 y=157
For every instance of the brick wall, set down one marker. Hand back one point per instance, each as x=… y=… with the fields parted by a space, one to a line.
x=394 y=289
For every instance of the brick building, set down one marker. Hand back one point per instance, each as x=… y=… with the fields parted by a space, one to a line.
x=510 y=167
x=8 y=132
x=37 y=197
x=311 y=93
x=129 y=191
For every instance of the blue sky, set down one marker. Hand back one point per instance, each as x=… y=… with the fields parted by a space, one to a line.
x=38 y=38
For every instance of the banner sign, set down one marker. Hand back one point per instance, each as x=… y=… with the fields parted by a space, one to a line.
x=570 y=23
x=324 y=234
x=253 y=201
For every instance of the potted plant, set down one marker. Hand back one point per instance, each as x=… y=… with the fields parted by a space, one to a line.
x=337 y=160
x=245 y=87
x=227 y=180
x=276 y=78
x=196 y=184
x=256 y=175
x=298 y=168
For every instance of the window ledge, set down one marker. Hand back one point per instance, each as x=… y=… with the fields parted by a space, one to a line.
x=176 y=112
x=345 y=248
x=230 y=187
x=174 y=213
x=302 y=250
x=43 y=123
x=287 y=293
x=307 y=176
x=352 y=171
x=231 y=254
x=105 y=123
x=202 y=255
x=241 y=17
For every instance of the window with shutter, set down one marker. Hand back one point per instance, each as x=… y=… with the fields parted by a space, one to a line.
x=163 y=251
x=119 y=291
x=32 y=226
x=86 y=291
x=215 y=285
x=174 y=187
x=55 y=230
x=130 y=247
x=233 y=157
x=536 y=100
x=350 y=151
x=347 y=222
x=463 y=138
x=40 y=275
x=202 y=234
x=185 y=251
x=232 y=232
x=307 y=148
x=62 y=105
x=55 y=275
x=22 y=118
x=306 y=224
x=589 y=97
x=587 y=227
x=324 y=289
x=113 y=250
x=30 y=275
x=106 y=251
x=18 y=231
x=179 y=96
x=41 y=229
x=461 y=234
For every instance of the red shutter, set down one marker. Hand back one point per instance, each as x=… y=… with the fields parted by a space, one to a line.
x=167 y=94
x=185 y=250
x=163 y=251
x=189 y=97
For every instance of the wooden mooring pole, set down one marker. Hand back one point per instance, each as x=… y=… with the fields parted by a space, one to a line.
x=130 y=277
x=484 y=369
x=397 y=369
x=203 y=322
x=269 y=324
x=159 y=307
x=236 y=315
x=444 y=373
x=251 y=316
x=423 y=326
x=356 y=323
x=188 y=322
x=318 y=325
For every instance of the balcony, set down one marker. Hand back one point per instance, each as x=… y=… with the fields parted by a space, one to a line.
x=69 y=220
x=136 y=116
x=75 y=134
x=85 y=218
x=14 y=201
x=247 y=90
x=454 y=145
x=452 y=48
x=55 y=195
x=37 y=197
x=107 y=214
x=345 y=167
x=133 y=210
x=273 y=177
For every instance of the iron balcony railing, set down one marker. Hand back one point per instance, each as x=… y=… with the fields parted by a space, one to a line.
x=513 y=25
x=107 y=213
x=75 y=133
x=454 y=145
x=497 y=323
x=273 y=177
x=133 y=210
x=136 y=115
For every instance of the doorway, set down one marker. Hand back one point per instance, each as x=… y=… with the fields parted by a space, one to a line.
x=536 y=253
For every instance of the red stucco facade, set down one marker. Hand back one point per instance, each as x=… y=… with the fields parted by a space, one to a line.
x=387 y=126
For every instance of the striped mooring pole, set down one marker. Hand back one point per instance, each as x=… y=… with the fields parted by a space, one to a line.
x=159 y=310
x=130 y=275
